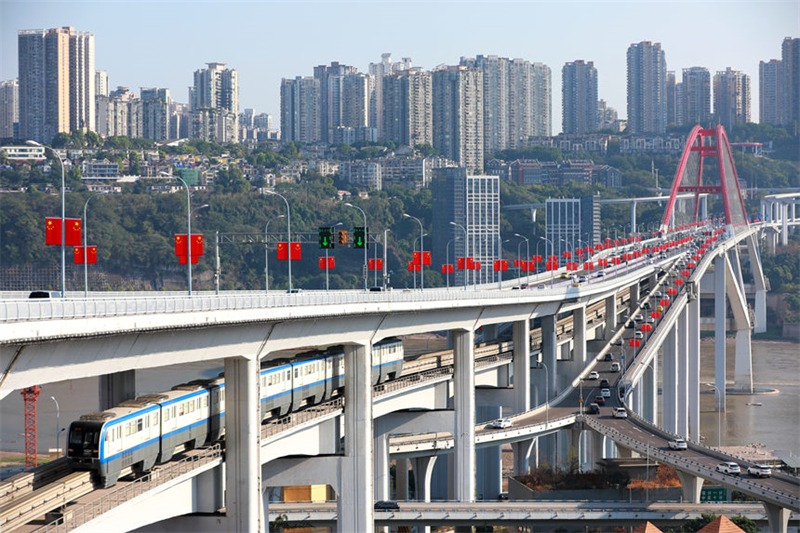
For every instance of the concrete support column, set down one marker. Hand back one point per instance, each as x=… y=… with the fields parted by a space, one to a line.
x=401 y=479
x=611 y=316
x=670 y=385
x=380 y=467
x=634 y=398
x=522 y=456
x=720 y=310
x=423 y=472
x=633 y=304
x=691 y=486
x=488 y=461
x=693 y=320
x=649 y=394
x=549 y=352
x=760 y=312
x=522 y=365
x=243 y=501
x=743 y=364
x=683 y=373
x=464 y=383
x=598 y=449
x=116 y=388
x=784 y=224
x=579 y=336
x=356 y=495
x=777 y=517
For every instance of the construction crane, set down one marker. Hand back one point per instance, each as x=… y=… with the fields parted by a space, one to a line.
x=30 y=395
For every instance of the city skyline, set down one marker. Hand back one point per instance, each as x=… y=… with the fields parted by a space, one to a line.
x=363 y=31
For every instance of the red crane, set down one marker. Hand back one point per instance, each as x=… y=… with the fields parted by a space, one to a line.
x=30 y=396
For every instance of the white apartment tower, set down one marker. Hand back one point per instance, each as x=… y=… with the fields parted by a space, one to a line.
x=732 y=97
x=9 y=105
x=215 y=104
x=458 y=115
x=647 y=81
x=407 y=116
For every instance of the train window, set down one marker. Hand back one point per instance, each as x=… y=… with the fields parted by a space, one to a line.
x=288 y=375
x=296 y=373
x=205 y=401
x=119 y=432
x=155 y=418
x=166 y=414
x=139 y=424
x=107 y=437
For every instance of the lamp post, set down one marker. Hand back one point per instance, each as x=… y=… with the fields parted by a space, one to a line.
x=188 y=228
x=421 y=251
x=466 y=252
x=58 y=422
x=366 y=240
x=414 y=249
x=385 y=258
x=717 y=397
x=86 y=246
x=266 y=251
x=63 y=219
x=546 y=393
x=447 y=259
x=288 y=232
x=527 y=254
x=552 y=248
x=500 y=243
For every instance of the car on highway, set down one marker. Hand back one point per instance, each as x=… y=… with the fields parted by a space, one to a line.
x=599 y=400
x=501 y=423
x=594 y=374
x=604 y=383
x=540 y=286
x=600 y=274
x=638 y=335
x=729 y=467
x=605 y=393
x=615 y=367
x=386 y=505
x=759 y=470
x=582 y=279
x=620 y=412
x=660 y=308
x=677 y=444
x=617 y=342
x=593 y=409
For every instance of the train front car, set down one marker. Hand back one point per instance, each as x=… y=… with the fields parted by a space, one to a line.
x=121 y=438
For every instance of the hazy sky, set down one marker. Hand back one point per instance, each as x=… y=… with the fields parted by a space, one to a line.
x=161 y=43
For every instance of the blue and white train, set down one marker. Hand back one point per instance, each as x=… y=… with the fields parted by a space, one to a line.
x=140 y=433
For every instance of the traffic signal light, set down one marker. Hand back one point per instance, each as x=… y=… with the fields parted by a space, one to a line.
x=325 y=238
x=343 y=237
x=359 y=237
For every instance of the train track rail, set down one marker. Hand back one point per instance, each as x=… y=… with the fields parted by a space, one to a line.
x=28 y=505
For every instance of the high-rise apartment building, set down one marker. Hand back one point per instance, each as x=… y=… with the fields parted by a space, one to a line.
x=731 y=97
x=156 y=103
x=9 y=106
x=770 y=93
x=101 y=87
x=301 y=116
x=56 y=83
x=378 y=71
x=672 y=104
x=579 y=97
x=496 y=89
x=329 y=78
x=215 y=104
x=541 y=100
x=407 y=116
x=647 y=82
x=694 y=97
x=790 y=63
x=458 y=115
x=472 y=202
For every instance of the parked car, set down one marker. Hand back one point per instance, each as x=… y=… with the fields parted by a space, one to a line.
x=599 y=400
x=501 y=423
x=594 y=374
x=759 y=470
x=386 y=505
x=605 y=393
x=677 y=444
x=593 y=409
x=729 y=467
x=620 y=412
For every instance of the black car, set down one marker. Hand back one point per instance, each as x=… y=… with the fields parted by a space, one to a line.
x=608 y=357
x=386 y=505
x=604 y=384
x=593 y=409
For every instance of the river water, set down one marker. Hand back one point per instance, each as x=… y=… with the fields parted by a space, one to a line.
x=775 y=423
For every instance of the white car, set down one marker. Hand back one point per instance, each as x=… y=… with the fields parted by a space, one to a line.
x=759 y=470
x=605 y=393
x=620 y=412
x=501 y=423
x=729 y=467
x=594 y=374
x=677 y=444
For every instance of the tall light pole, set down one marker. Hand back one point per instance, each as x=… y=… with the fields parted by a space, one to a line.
x=63 y=219
x=500 y=243
x=552 y=248
x=366 y=240
x=717 y=397
x=447 y=259
x=421 y=251
x=385 y=258
x=58 y=422
x=188 y=227
x=527 y=253
x=288 y=232
x=266 y=251
x=414 y=249
x=466 y=252
x=546 y=393
x=86 y=246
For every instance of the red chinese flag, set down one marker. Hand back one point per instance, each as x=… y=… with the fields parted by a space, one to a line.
x=523 y=266
x=566 y=255
x=416 y=258
x=370 y=264
x=532 y=266
x=331 y=263
x=323 y=263
x=656 y=314
x=52 y=231
x=413 y=267
x=91 y=255
x=470 y=263
x=497 y=265
x=297 y=251
x=445 y=269
x=182 y=259
x=77 y=255
x=598 y=247
x=461 y=263
x=73 y=232
x=379 y=264
x=672 y=291
x=476 y=265
x=180 y=245
x=537 y=258
x=283 y=251
x=516 y=263
x=197 y=245
x=426 y=258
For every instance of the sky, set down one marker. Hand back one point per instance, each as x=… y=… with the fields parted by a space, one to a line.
x=161 y=43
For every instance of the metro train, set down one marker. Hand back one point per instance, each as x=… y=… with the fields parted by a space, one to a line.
x=145 y=431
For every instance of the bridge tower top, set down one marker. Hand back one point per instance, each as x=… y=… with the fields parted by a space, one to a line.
x=705 y=143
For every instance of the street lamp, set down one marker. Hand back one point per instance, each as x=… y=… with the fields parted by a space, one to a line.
x=546 y=393
x=527 y=254
x=288 y=232
x=385 y=258
x=58 y=421
x=414 y=249
x=86 y=246
x=500 y=243
x=188 y=227
x=63 y=219
x=466 y=252
x=717 y=398
x=421 y=251
x=366 y=241
x=552 y=248
x=447 y=259
x=266 y=251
